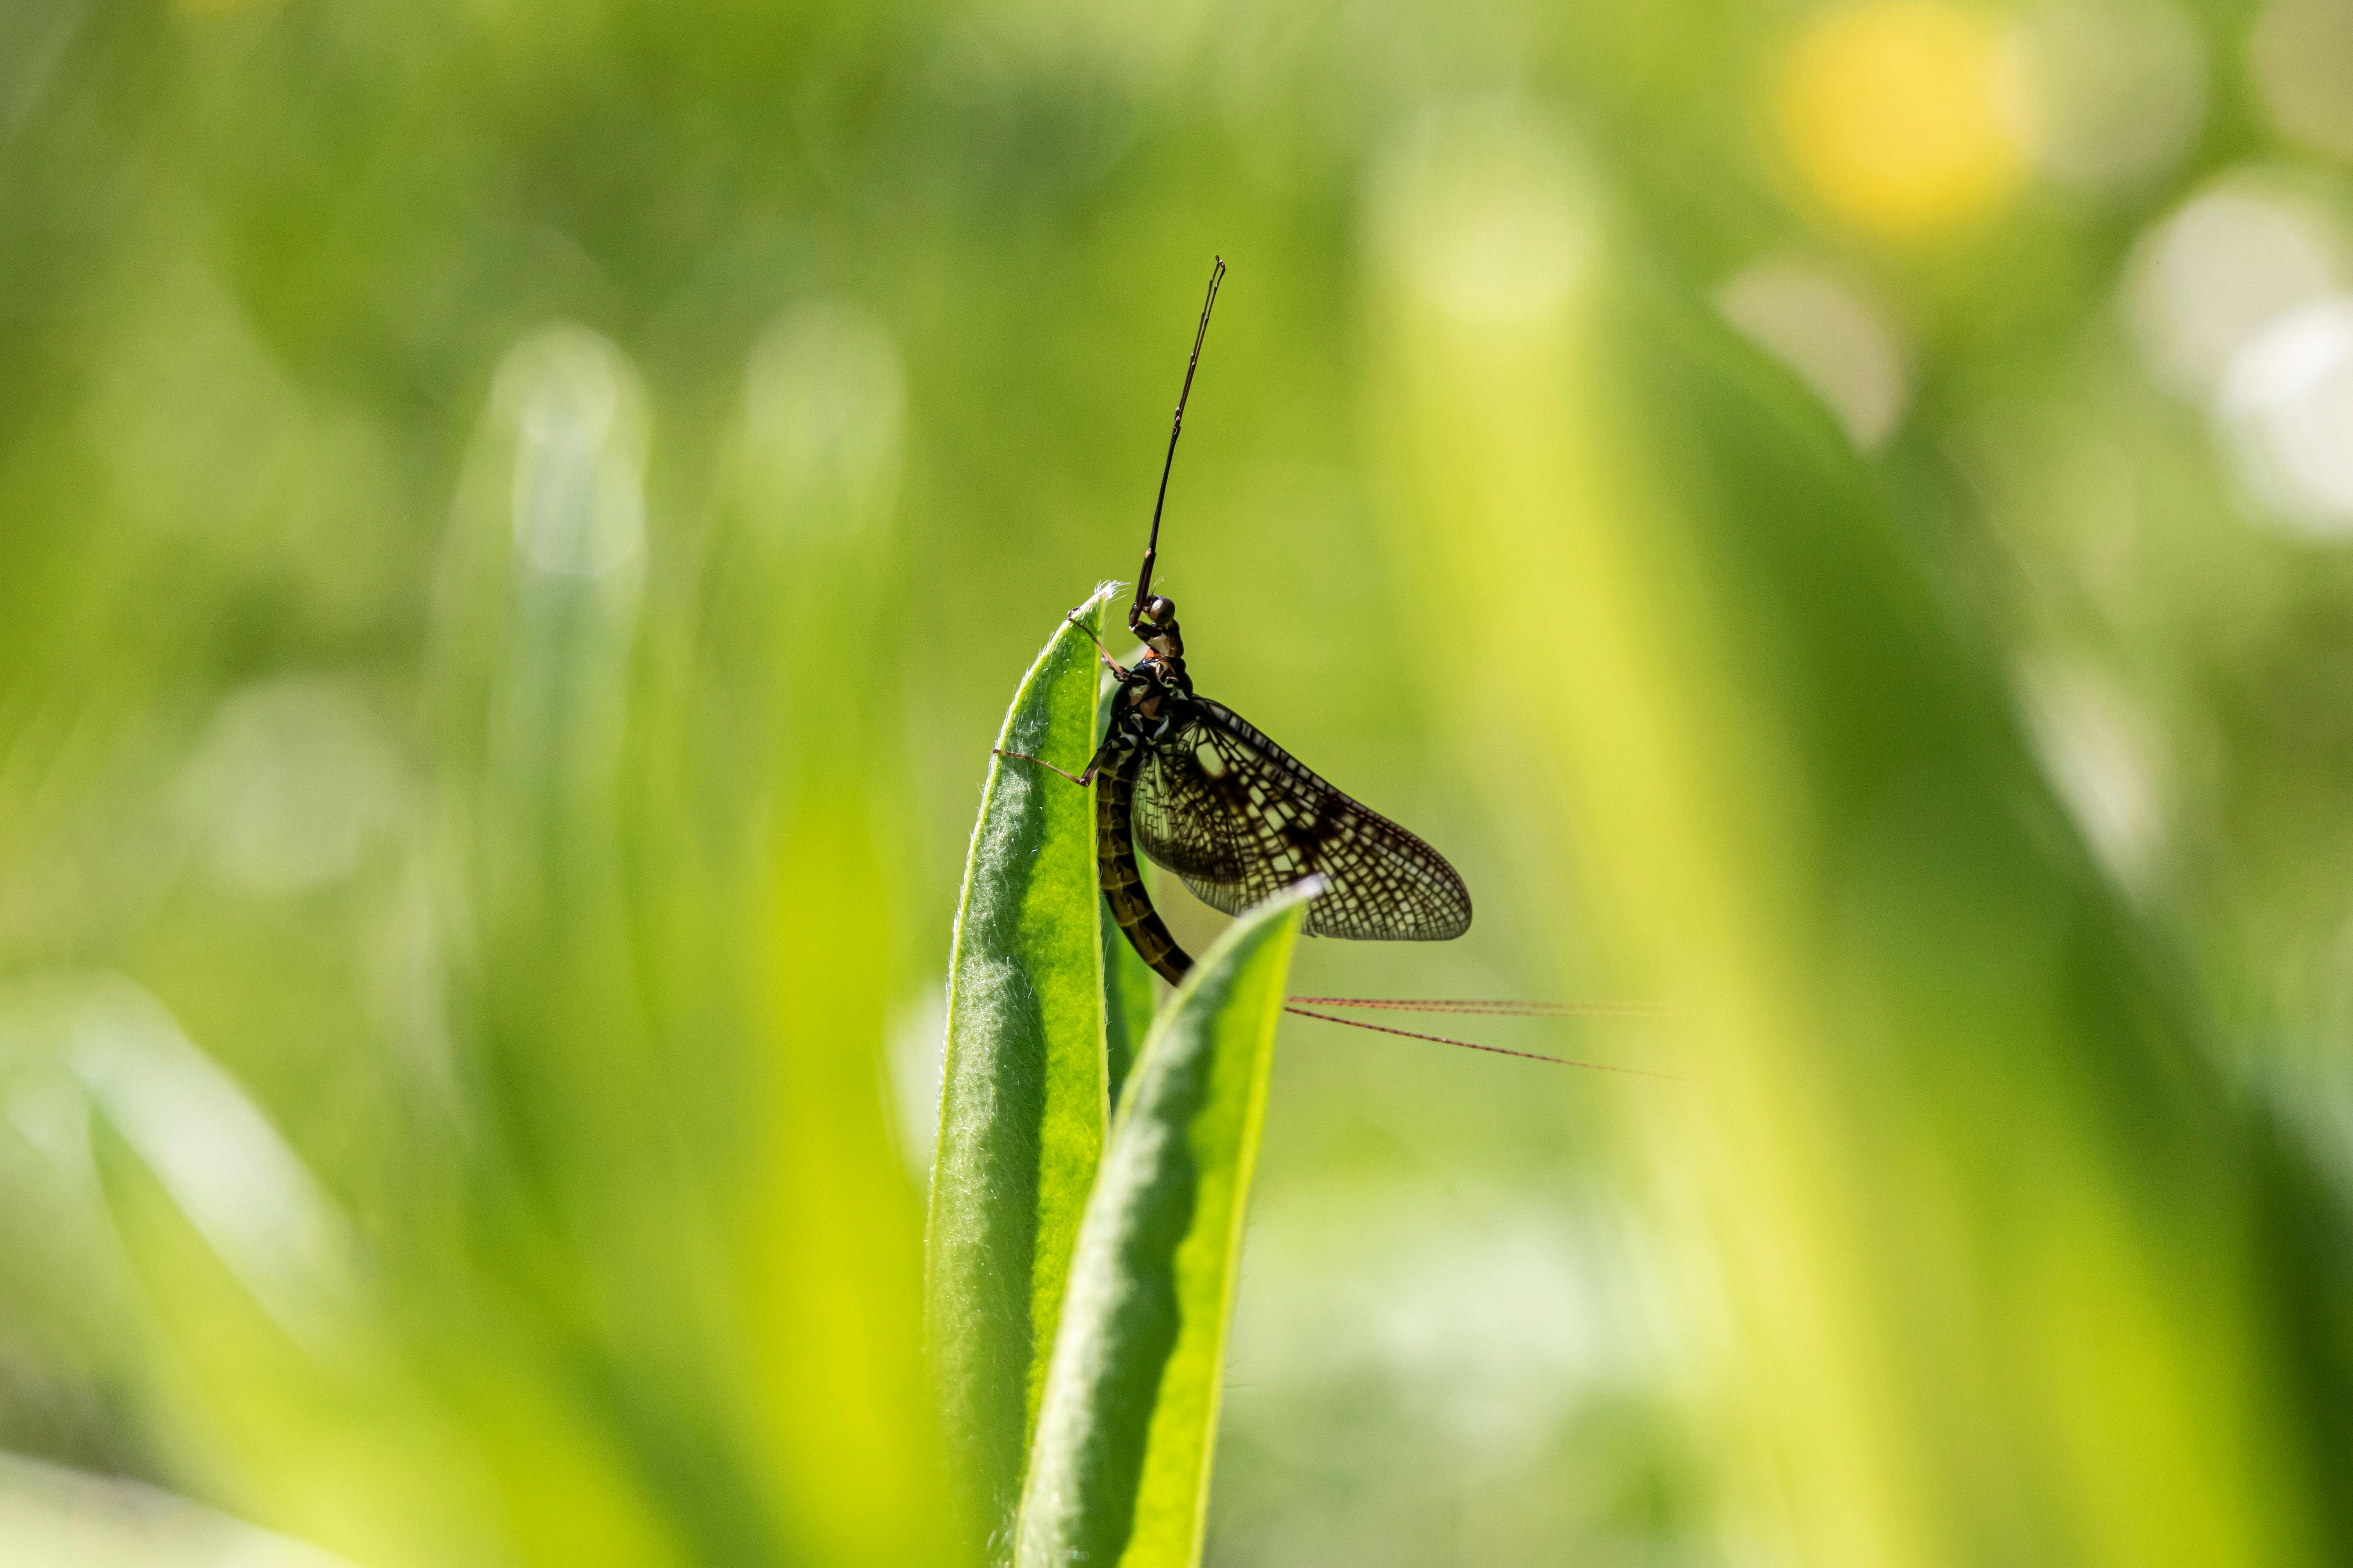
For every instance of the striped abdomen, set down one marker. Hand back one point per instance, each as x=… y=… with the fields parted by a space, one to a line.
x=1123 y=883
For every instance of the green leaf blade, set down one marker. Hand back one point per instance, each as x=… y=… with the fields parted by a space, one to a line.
x=1129 y=1002
x=1119 y=1468
x=1022 y=1103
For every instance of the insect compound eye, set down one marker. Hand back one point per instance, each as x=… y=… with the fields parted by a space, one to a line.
x=1159 y=610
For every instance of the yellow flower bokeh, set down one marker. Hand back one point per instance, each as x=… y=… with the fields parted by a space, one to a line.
x=1891 y=114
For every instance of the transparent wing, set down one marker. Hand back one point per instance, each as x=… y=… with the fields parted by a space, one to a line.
x=1238 y=818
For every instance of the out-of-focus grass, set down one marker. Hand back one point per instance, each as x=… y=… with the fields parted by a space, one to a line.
x=520 y=524
x=1981 y=1202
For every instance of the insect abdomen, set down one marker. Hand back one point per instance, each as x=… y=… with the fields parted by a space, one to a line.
x=1122 y=882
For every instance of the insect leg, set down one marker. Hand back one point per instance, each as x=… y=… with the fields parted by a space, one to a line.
x=1082 y=780
x=1112 y=664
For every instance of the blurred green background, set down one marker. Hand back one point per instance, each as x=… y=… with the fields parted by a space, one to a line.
x=517 y=524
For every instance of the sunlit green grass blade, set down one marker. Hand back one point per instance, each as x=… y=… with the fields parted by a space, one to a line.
x=240 y=1289
x=1023 y=1101
x=1120 y=1471
x=825 y=1230
x=577 y=1192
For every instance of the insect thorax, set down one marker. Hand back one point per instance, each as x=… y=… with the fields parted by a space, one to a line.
x=1152 y=701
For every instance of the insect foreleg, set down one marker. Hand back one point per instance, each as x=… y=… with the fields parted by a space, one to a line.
x=1109 y=663
x=1082 y=780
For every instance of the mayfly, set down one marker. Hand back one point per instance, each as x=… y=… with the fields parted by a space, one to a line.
x=1236 y=818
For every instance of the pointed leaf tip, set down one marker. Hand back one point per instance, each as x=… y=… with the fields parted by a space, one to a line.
x=1119 y=1469
x=1023 y=1093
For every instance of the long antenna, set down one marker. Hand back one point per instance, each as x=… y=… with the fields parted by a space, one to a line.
x=1151 y=546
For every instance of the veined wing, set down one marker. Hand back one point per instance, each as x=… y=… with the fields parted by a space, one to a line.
x=1238 y=818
